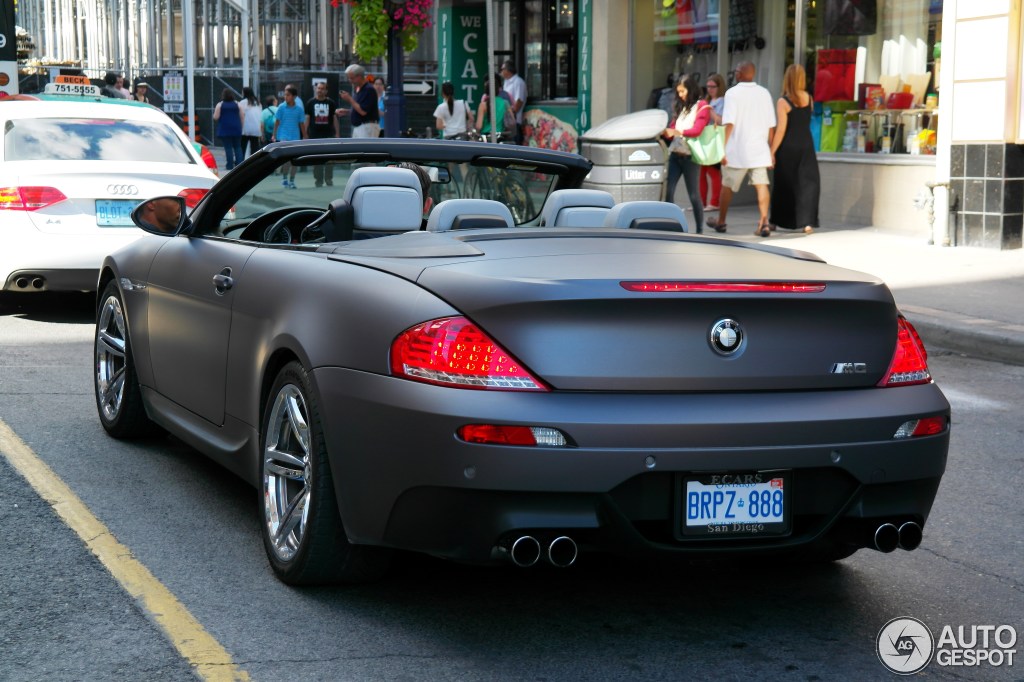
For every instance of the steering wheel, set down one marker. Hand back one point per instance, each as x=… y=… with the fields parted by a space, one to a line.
x=257 y=227
x=280 y=233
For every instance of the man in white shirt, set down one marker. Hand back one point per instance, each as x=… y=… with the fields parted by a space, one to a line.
x=515 y=86
x=749 y=119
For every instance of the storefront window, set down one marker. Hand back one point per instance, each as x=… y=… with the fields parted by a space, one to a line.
x=871 y=69
x=543 y=36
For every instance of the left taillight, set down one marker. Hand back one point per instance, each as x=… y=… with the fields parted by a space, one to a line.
x=453 y=351
x=29 y=198
x=909 y=364
x=192 y=196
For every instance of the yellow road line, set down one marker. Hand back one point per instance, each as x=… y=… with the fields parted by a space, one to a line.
x=210 y=660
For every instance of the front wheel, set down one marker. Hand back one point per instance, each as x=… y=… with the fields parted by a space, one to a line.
x=118 y=397
x=302 y=530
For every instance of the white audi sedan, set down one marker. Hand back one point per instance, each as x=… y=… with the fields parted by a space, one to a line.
x=73 y=168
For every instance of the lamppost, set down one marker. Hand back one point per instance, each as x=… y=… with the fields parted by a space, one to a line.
x=394 y=99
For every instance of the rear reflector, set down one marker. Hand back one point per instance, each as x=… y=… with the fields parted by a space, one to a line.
x=192 y=196
x=726 y=287
x=909 y=364
x=493 y=434
x=929 y=426
x=452 y=351
x=29 y=198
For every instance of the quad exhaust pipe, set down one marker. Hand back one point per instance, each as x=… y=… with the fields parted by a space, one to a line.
x=527 y=551
x=888 y=537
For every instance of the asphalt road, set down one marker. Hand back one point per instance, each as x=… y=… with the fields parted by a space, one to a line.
x=62 y=616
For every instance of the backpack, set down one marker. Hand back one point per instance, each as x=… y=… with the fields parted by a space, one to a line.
x=268 y=120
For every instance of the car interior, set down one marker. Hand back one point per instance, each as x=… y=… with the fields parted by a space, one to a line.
x=381 y=199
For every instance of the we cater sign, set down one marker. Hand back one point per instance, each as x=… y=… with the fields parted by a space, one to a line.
x=462 y=51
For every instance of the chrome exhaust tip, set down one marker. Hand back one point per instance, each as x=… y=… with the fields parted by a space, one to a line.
x=562 y=551
x=887 y=538
x=525 y=551
x=38 y=282
x=910 y=536
x=21 y=282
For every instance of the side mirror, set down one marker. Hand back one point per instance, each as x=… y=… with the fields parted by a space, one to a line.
x=163 y=216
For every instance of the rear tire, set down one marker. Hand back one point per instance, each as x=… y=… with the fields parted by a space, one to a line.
x=302 y=530
x=118 y=396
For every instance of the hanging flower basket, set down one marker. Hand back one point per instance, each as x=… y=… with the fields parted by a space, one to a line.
x=373 y=18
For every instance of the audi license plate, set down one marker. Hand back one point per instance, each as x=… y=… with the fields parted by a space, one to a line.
x=728 y=505
x=115 y=212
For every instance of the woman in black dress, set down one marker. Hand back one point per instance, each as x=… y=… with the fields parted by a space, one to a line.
x=797 y=184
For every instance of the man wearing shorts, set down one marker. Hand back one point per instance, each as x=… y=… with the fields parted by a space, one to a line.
x=749 y=118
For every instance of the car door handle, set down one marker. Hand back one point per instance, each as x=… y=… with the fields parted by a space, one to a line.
x=223 y=281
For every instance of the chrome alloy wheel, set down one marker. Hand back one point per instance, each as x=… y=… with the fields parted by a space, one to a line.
x=287 y=480
x=110 y=358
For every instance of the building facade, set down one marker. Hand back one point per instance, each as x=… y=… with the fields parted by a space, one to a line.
x=919 y=117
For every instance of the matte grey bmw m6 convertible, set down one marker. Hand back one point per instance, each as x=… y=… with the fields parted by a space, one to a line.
x=527 y=373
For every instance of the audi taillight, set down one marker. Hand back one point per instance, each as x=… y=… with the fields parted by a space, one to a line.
x=909 y=364
x=29 y=198
x=453 y=351
x=192 y=196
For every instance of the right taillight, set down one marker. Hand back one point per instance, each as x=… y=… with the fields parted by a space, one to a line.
x=29 y=198
x=909 y=364
x=192 y=195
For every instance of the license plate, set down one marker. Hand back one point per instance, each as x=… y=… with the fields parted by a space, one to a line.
x=727 y=505
x=115 y=212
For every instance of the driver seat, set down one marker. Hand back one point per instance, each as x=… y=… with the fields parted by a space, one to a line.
x=381 y=200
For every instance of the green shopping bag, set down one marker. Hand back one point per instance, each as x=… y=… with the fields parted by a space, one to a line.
x=708 y=148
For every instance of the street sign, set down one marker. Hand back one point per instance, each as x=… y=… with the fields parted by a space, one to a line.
x=418 y=87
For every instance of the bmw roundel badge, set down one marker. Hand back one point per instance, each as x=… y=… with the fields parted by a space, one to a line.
x=726 y=336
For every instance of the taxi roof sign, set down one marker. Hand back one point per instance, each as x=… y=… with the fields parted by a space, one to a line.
x=73 y=80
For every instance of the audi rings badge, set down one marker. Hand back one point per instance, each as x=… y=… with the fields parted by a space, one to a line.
x=123 y=190
x=726 y=337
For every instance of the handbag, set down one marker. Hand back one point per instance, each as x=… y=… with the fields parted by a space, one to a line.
x=708 y=148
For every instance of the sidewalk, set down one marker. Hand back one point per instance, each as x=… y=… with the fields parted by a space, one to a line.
x=964 y=299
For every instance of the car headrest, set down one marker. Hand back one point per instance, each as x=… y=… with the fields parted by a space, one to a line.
x=385 y=199
x=468 y=214
x=647 y=215
x=576 y=208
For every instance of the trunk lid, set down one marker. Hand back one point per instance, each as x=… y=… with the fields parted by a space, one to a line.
x=557 y=304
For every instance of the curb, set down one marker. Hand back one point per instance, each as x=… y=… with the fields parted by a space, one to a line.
x=971 y=336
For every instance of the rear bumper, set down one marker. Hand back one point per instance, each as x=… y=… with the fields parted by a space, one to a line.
x=66 y=262
x=42 y=279
x=404 y=480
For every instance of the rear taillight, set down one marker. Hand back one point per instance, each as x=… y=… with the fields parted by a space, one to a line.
x=29 y=198
x=452 y=351
x=192 y=196
x=909 y=364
